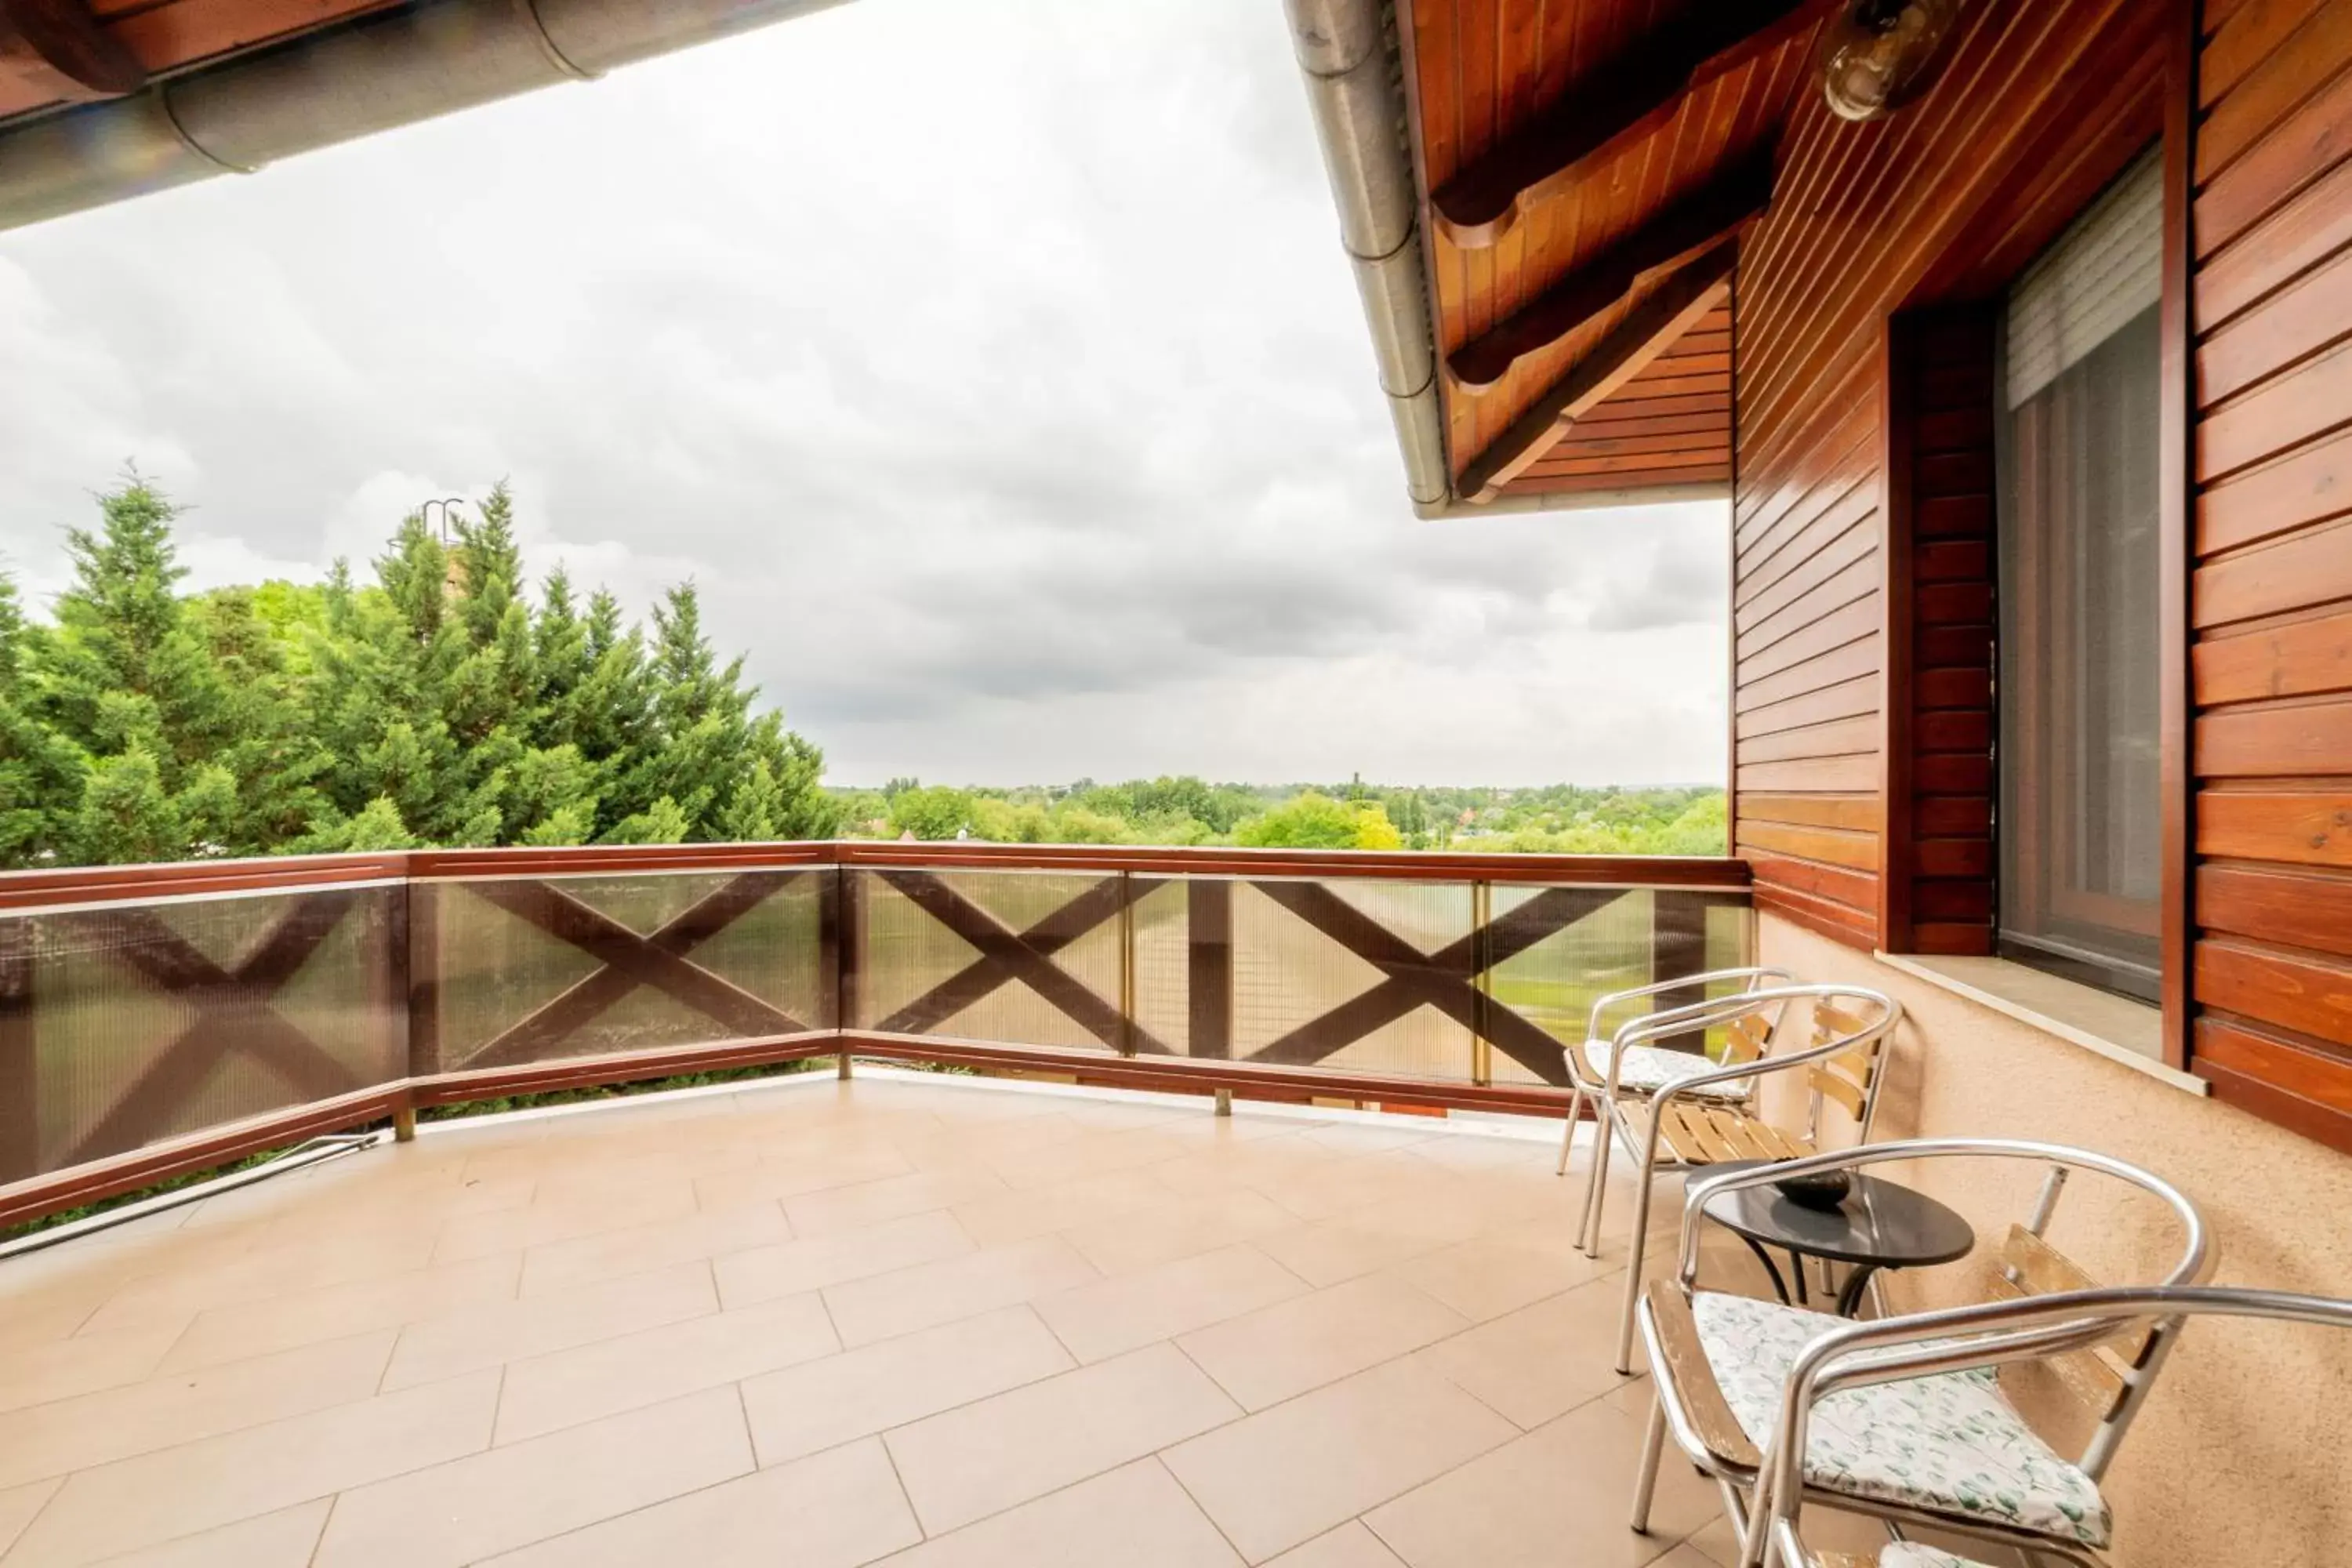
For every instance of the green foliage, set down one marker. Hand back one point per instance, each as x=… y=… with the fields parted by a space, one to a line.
x=1315 y=821
x=434 y=705
x=1558 y=819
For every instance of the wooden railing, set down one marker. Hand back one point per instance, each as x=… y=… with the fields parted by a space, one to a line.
x=159 y=1019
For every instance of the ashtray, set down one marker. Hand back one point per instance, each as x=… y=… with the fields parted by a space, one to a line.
x=1821 y=1189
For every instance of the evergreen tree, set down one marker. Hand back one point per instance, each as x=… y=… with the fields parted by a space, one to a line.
x=434 y=705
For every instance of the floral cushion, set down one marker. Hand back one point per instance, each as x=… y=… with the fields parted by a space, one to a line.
x=1949 y=1443
x=1650 y=1067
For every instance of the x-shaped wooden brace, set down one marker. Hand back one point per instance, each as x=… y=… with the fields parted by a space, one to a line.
x=1446 y=980
x=630 y=961
x=232 y=1008
x=1006 y=955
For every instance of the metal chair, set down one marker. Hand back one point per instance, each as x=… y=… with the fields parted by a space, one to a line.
x=1690 y=1123
x=1741 y=1383
x=1645 y=1068
x=2012 y=1331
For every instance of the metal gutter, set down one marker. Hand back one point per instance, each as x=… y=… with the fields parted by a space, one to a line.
x=345 y=81
x=1355 y=86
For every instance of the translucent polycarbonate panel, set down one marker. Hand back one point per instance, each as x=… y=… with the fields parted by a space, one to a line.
x=922 y=971
x=127 y=1024
x=527 y=970
x=1296 y=968
x=1163 y=955
x=1618 y=944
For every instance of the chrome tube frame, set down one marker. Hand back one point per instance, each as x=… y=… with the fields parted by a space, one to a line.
x=2006 y=1331
x=1779 y=1477
x=1648 y=1165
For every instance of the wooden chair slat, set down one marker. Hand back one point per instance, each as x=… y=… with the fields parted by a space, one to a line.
x=1689 y=1381
x=2089 y=1375
x=1837 y=1087
x=2042 y=1270
x=1831 y=1021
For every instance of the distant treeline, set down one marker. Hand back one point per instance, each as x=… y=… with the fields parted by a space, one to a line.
x=1552 y=819
x=446 y=702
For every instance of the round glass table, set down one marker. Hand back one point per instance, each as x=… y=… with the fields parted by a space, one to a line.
x=1880 y=1224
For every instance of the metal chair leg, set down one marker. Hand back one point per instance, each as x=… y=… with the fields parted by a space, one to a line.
x=1596 y=1180
x=1644 y=1180
x=1646 y=1484
x=1568 y=1136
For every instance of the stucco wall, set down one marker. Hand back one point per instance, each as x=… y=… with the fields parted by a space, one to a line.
x=2244 y=1454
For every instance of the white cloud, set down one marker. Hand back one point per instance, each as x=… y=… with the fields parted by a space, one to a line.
x=995 y=370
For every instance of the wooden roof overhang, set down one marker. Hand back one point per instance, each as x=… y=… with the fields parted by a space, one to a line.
x=55 y=53
x=1585 y=169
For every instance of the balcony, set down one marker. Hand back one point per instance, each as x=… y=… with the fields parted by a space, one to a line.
x=797 y=1320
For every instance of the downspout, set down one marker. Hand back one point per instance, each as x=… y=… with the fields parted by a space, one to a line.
x=342 y=82
x=1354 y=87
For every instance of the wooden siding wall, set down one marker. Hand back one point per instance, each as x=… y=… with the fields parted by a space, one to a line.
x=1865 y=218
x=1938 y=866
x=2272 y=594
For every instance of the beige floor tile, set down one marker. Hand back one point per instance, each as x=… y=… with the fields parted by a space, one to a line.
x=1826 y=1530
x=1092 y=1155
x=281 y=1540
x=484 y=1504
x=1559 y=1494
x=95 y=1428
x=793 y=1175
x=982 y=1458
x=551 y=1219
x=592 y=1380
x=247 y=1269
x=1288 y=1475
x=762 y=1273
x=961 y=1143
x=1329 y=1251
x=19 y=1504
x=821 y=1403
x=1352 y=1183
x=61 y=1369
x=1135 y=1517
x=1035 y=1211
x=1349 y=1546
x=1161 y=1233
x=677 y=1239
x=510 y=1331
x=1266 y=1357
x=1543 y=1360
x=160 y=1497
x=833 y=1509
x=258 y=1327
x=864 y=1204
x=1488 y=1278
x=1131 y=1310
x=929 y=1294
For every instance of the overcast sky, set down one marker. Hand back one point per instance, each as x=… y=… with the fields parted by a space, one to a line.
x=994 y=369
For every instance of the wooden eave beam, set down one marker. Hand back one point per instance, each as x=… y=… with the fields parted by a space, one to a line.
x=60 y=44
x=1621 y=105
x=1698 y=222
x=1658 y=321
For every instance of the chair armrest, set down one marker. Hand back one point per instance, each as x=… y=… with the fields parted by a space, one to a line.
x=1751 y=972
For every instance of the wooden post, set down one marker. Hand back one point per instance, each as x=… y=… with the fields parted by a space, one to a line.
x=1209 y=972
x=1678 y=946
x=20 y=1062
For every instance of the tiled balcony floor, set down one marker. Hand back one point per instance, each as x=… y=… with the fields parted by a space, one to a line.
x=914 y=1321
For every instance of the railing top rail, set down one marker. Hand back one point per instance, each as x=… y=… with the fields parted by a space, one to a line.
x=51 y=887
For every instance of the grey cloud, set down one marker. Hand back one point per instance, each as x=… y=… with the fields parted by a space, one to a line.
x=994 y=371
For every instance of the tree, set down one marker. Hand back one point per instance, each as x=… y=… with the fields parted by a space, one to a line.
x=433 y=704
x=1315 y=821
x=930 y=811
